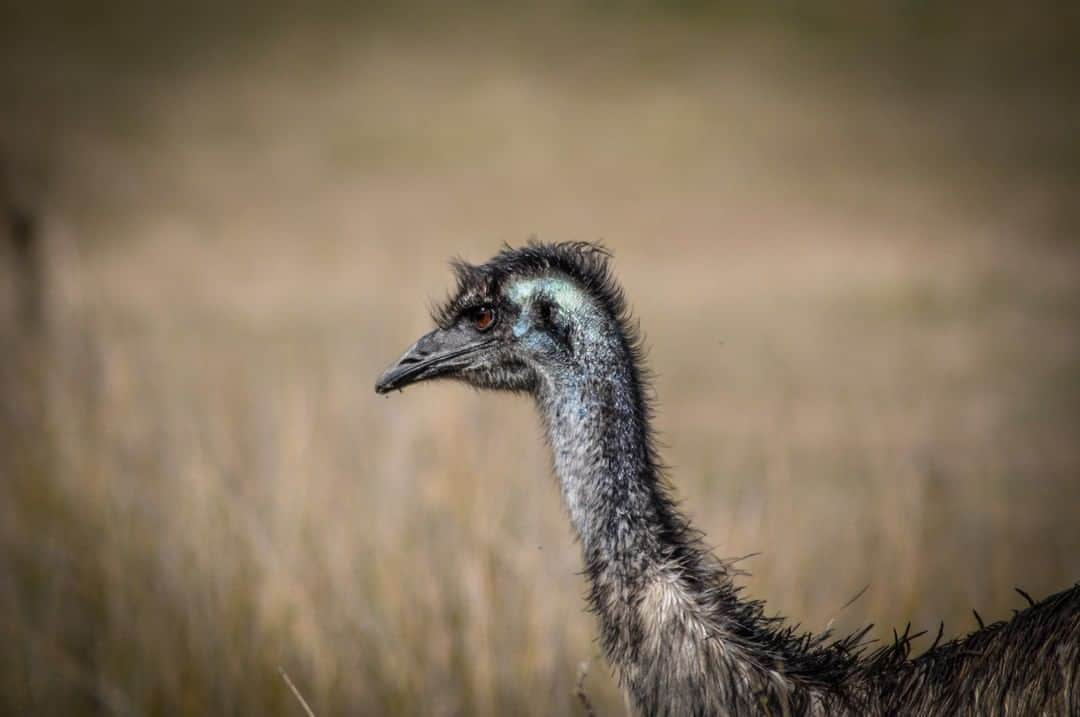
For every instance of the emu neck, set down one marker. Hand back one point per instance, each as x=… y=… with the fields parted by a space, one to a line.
x=672 y=624
x=597 y=426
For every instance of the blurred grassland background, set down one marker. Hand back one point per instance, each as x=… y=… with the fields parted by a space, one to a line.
x=849 y=231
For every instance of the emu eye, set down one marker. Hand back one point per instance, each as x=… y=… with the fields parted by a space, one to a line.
x=483 y=318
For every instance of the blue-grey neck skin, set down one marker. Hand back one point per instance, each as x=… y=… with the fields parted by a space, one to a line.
x=590 y=409
x=671 y=623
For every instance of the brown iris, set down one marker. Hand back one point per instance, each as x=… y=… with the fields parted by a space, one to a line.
x=483 y=318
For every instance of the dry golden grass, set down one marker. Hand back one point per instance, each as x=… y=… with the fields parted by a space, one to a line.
x=866 y=345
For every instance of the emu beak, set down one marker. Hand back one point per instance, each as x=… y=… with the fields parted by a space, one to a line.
x=439 y=353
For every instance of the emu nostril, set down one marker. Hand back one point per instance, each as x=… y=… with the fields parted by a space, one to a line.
x=410 y=367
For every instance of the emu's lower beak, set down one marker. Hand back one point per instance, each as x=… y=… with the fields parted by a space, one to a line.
x=440 y=353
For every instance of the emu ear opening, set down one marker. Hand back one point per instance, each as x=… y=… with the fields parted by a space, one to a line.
x=546 y=310
x=551 y=316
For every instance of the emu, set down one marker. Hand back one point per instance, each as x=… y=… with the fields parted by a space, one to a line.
x=550 y=321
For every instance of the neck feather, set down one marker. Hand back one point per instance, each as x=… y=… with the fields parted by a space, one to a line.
x=673 y=626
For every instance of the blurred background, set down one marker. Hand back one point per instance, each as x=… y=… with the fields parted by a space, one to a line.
x=849 y=231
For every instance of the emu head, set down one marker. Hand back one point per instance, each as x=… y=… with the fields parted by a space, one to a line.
x=520 y=321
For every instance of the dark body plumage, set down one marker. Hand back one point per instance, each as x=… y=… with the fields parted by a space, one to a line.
x=549 y=320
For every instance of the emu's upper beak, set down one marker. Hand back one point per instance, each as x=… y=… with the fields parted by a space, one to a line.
x=439 y=353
